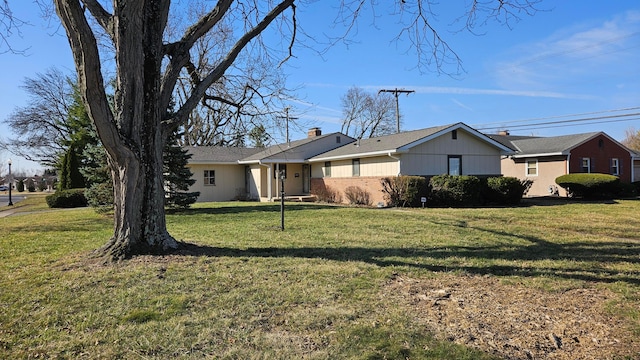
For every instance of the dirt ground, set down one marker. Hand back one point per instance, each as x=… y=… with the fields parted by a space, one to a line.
x=512 y=321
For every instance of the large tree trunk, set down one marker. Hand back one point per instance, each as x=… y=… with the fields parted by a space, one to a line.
x=139 y=217
x=134 y=128
x=132 y=131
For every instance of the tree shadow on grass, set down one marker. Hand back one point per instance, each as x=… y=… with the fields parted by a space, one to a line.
x=583 y=255
x=527 y=255
x=247 y=208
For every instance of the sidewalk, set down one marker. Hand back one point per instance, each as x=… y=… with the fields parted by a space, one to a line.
x=7 y=212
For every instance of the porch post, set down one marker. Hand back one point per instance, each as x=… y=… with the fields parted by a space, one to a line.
x=269 y=184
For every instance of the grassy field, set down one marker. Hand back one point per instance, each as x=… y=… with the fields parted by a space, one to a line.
x=251 y=291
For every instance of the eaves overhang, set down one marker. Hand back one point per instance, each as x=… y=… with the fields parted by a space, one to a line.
x=521 y=156
x=358 y=155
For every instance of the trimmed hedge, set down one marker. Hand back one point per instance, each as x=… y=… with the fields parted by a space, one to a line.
x=67 y=199
x=589 y=185
x=452 y=191
x=506 y=190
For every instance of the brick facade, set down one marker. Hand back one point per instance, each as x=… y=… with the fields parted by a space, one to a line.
x=600 y=150
x=372 y=185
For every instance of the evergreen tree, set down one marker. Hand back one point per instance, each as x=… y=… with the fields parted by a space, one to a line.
x=80 y=137
x=177 y=176
x=70 y=176
x=259 y=136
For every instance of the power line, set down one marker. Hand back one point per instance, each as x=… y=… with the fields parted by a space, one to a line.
x=287 y=119
x=564 y=125
x=503 y=123
x=575 y=120
x=570 y=122
x=395 y=92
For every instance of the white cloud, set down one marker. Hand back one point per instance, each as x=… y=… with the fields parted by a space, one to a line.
x=572 y=53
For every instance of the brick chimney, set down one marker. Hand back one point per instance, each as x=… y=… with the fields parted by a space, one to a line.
x=313 y=132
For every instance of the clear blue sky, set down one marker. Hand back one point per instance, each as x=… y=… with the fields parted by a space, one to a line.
x=577 y=57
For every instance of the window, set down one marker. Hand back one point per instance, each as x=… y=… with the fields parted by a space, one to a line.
x=209 y=177
x=355 y=164
x=327 y=168
x=532 y=167
x=454 y=134
x=586 y=165
x=455 y=165
x=615 y=167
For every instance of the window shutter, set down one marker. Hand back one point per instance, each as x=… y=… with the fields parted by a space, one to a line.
x=593 y=165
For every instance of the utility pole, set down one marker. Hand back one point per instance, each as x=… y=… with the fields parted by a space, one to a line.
x=396 y=92
x=287 y=118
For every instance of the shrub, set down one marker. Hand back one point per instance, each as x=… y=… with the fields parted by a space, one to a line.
x=67 y=199
x=627 y=190
x=20 y=186
x=31 y=187
x=449 y=190
x=42 y=185
x=327 y=194
x=506 y=190
x=589 y=185
x=100 y=197
x=357 y=196
x=404 y=190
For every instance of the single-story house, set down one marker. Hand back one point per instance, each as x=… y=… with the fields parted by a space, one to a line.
x=455 y=149
x=224 y=174
x=218 y=175
x=338 y=161
x=543 y=159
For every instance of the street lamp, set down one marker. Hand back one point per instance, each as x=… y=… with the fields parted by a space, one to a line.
x=10 y=183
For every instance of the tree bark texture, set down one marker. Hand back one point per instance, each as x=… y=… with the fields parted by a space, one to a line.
x=134 y=129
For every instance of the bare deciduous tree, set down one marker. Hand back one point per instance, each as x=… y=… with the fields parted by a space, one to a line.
x=248 y=95
x=367 y=115
x=632 y=139
x=41 y=127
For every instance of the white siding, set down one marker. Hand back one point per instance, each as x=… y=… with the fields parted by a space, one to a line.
x=373 y=166
x=229 y=182
x=431 y=157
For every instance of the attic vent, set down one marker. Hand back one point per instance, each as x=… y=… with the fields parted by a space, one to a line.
x=454 y=134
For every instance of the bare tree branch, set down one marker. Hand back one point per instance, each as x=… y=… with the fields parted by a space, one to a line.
x=102 y=16
x=9 y=25
x=228 y=60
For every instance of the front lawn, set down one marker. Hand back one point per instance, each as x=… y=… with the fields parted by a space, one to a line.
x=338 y=283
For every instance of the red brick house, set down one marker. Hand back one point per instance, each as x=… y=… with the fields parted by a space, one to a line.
x=543 y=159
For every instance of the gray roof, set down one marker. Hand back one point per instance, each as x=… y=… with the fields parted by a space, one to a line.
x=295 y=151
x=397 y=142
x=218 y=154
x=554 y=145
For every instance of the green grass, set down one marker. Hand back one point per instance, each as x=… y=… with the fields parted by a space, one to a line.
x=314 y=291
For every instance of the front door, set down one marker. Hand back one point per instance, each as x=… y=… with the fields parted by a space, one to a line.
x=306 y=178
